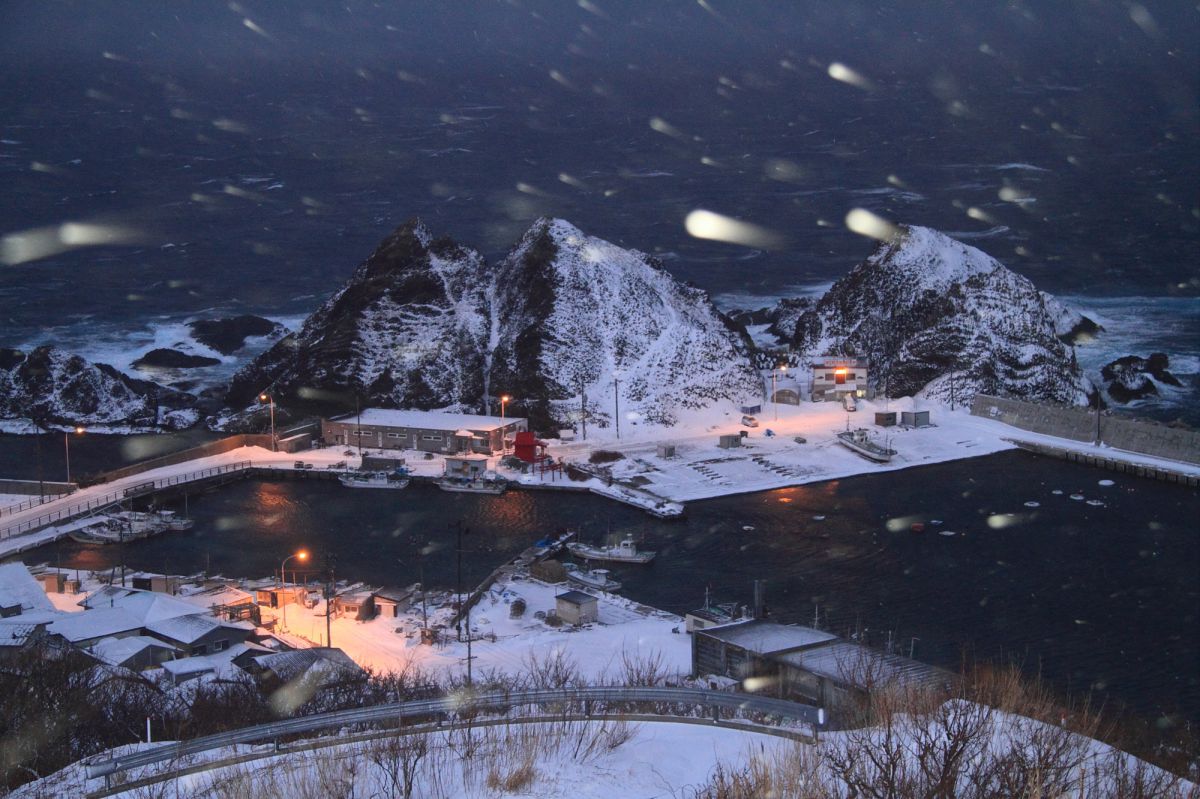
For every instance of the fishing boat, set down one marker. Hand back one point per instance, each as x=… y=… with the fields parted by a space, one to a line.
x=666 y=510
x=105 y=531
x=374 y=480
x=599 y=579
x=624 y=552
x=476 y=485
x=137 y=524
x=859 y=440
x=174 y=521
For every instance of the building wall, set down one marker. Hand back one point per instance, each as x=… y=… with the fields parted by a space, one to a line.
x=1079 y=424
x=577 y=614
x=345 y=432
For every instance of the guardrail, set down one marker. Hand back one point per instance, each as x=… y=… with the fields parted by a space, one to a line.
x=10 y=510
x=76 y=509
x=715 y=701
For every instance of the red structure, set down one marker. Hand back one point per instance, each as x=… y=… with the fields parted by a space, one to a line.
x=528 y=448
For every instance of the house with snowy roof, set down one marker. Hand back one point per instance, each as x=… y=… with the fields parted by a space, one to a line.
x=20 y=593
x=319 y=667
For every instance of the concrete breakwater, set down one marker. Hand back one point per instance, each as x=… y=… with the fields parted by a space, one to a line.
x=1081 y=424
x=1112 y=464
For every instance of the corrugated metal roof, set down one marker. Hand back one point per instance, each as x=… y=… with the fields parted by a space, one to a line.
x=765 y=637
x=428 y=420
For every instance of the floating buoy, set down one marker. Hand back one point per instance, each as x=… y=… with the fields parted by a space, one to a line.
x=947 y=532
x=1077 y=497
x=1032 y=504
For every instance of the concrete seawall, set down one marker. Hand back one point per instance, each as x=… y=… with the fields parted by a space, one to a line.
x=1079 y=424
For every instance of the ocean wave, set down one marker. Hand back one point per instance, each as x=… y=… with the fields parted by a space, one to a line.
x=990 y=233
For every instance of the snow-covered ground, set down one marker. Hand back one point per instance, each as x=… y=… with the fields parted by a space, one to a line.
x=699 y=470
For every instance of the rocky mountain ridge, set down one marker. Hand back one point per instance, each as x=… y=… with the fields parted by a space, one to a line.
x=562 y=323
x=53 y=387
x=936 y=316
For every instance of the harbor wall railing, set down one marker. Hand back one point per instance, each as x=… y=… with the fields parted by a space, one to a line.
x=68 y=511
x=204 y=450
x=39 y=493
x=1079 y=424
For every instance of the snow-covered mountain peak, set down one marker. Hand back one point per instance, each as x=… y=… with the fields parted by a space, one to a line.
x=924 y=306
x=930 y=259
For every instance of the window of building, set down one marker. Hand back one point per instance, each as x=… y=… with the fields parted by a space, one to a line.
x=220 y=646
x=431 y=437
x=397 y=435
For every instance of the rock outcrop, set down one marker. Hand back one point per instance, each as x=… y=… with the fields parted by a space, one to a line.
x=923 y=306
x=428 y=323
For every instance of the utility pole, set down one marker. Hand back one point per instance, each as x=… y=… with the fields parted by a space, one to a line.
x=329 y=594
x=464 y=610
x=583 y=406
x=358 y=423
x=617 y=403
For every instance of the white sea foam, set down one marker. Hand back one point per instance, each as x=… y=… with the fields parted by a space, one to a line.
x=749 y=300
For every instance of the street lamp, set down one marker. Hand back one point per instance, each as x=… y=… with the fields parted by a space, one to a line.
x=67 y=448
x=301 y=555
x=504 y=398
x=264 y=397
x=774 y=394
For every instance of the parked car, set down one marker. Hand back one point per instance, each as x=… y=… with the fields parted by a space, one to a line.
x=848 y=403
x=749 y=421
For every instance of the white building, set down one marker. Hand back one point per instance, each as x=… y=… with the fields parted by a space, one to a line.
x=834 y=377
x=427 y=431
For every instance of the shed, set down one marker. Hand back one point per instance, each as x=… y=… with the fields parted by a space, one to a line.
x=752 y=409
x=465 y=466
x=52 y=582
x=378 y=463
x=180 y=671
x=742 y=650
x=576 y=607
x=915 y=419
x=391 y=602
x=730 y=441
x=666 y=450
x=359 y=605
x=885 y=418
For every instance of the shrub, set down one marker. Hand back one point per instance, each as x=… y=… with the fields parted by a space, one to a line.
x=605 y=456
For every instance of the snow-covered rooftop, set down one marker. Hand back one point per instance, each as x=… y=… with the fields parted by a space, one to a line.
x=432 y=420
x=860 y=666
x=118 y=650
x=765 y=637
x=96 y=623
x=19 y=589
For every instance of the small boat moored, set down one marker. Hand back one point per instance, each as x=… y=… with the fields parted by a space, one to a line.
x=475 y=485
x=859 y=440
x=374 y=480
x=599 y=579
x=624 y=552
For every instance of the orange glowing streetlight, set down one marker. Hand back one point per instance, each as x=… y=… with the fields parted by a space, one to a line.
x=504 y=399
x=265 y=397
x=302 y=555
x=67 y=447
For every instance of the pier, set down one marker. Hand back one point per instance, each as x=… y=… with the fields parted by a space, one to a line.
x=1149 y=471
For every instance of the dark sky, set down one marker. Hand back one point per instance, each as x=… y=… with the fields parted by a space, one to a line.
x=281 y=141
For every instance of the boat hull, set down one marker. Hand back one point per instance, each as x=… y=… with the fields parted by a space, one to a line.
x=598 y=554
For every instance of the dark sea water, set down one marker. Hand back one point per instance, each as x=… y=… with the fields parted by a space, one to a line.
x=1094 y=598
